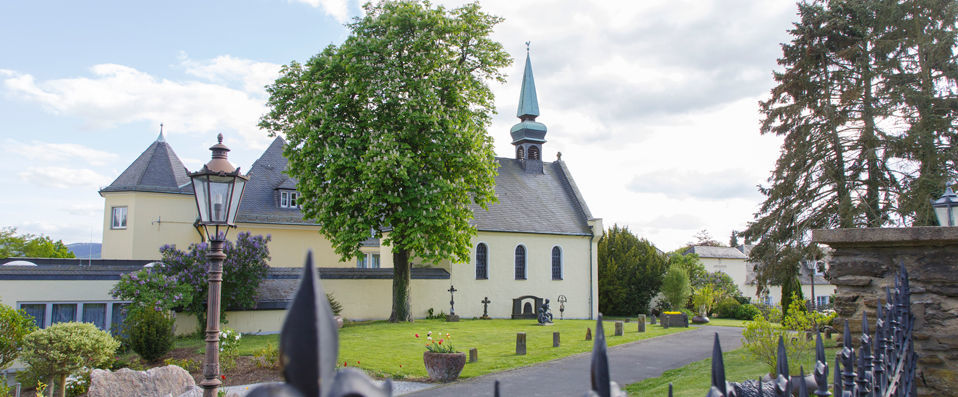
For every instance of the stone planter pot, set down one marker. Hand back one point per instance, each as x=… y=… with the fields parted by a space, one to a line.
x=444 y=367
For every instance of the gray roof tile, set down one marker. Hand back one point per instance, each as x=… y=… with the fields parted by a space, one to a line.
x=704 y=251
x=157 y=169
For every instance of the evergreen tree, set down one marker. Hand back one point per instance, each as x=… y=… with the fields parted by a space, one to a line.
x=630 y=272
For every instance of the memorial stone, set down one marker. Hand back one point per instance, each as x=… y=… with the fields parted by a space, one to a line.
x=521 y=343
x=473 y=355
x=641 y=322
x=618 y=328
x=588 y=334
x=555 y=339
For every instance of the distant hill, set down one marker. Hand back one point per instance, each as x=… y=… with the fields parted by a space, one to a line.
x=85 y=250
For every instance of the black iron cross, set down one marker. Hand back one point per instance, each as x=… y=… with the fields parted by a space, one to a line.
x=485 y=306
x=452 y=300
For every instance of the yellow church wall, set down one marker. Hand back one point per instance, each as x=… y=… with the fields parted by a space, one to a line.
x=247 y=322
x=14 y=291
x=153 y=220
x=290 y=243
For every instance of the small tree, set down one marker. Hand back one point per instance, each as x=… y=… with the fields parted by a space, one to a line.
x=630 y=272
x=14 y=325
x=791 y=289
x=65 y=348
x=675 y=287
x=149 y=332
x=152 y=290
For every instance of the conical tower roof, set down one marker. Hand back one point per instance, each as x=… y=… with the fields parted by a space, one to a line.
x=528 y=129
x=157 y=169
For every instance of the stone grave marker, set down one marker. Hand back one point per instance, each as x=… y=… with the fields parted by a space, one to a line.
x=473 y=355
x=618 y=328
x=653 y=319
x=555 y=339
x=641 y=322
x=521 y=343
x=588 y=334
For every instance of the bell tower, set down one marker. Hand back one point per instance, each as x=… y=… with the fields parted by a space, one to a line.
x=528 y=135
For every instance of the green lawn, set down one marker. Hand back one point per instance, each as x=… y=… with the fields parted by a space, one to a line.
x=391 y=350
x=695 y=379
x=728 y=322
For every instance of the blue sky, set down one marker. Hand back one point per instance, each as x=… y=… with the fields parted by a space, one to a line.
x=653 y=104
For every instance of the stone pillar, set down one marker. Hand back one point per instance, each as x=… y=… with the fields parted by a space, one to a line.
x=865 y=261
x=641 y=322
x=618 y=328
x=473 y=355
x=521 y=343
x=555 y=339
x=588 y=334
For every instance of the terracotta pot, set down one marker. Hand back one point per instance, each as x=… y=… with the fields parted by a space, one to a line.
x=444 y=367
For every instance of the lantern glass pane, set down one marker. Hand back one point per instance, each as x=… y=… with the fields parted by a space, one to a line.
x=201 y=191
x=954 y=215
x=942 y=214
x=237 y=197
x=219 y=201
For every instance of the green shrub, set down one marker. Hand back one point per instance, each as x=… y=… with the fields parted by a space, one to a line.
x=267 y=357
x=149 y=332
x=676 y=287
x=189 y=364
x=78 y=384
x=728 y=308
x=334 y=304
x=229 y=348
x=14 y=325
x=761 y=340
x=66 y=348
x=747 y=312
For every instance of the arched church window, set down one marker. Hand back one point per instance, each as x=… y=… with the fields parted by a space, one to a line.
x=534 y=153
x=520 y=154
x=556 y=263
x=520 y=263
x=482 y=262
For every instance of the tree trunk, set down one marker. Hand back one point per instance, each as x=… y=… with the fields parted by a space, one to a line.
x=401 y=277
x=60 y=390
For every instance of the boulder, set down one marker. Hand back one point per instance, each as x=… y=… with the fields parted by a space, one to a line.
x=700 y=319
x=159 y=382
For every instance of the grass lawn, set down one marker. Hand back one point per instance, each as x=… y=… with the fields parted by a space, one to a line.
x=391 y=350
x=728 y=322
x=696 y=378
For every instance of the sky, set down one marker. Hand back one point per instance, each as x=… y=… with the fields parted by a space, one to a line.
x=653 y=104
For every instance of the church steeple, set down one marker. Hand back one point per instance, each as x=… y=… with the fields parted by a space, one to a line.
x=528 y=135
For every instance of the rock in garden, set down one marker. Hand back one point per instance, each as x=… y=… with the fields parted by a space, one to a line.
x=700 y=319
x=160 y=381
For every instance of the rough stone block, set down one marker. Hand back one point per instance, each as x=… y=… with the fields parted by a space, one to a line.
x=618 y=328
x=588 y=334
x=555 y=339
x=521 y=343
x=473 y=355
x=641 y=323
x=160 y=381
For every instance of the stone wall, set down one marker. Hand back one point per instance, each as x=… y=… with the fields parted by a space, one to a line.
x=865 y=262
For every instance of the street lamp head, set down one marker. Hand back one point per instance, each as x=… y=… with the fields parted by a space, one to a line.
x=946 y=208
x=218 y=189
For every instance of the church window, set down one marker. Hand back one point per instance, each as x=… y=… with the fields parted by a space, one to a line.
x=533 y=153
x=556 y=263
x=482 y=262
x=520 y=153
x=288 y=199
x=520 y=263
x=119 y=218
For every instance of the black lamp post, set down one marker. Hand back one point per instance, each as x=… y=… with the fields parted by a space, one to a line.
x=946 y=208
x=218 y=189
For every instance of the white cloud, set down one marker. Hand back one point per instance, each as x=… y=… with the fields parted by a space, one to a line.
x=254 y=76
x=706 y=185
x=118 y=94
x=63 y=178
x=337 y=9
x=55 y=152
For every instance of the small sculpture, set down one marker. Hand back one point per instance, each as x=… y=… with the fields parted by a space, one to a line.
x=545 y=315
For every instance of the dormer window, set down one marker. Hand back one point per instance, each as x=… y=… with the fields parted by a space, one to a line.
x=289 y=199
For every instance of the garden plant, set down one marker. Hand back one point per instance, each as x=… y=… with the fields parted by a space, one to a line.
x=65 y=349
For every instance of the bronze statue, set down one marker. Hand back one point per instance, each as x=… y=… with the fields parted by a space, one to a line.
x=545 y=315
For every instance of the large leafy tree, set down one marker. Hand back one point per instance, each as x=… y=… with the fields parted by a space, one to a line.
x=865 y=105
x=30 y=245
x=630 y=272
x=387 y=132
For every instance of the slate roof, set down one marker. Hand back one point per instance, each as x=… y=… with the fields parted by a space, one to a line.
x=548 y=202
x=157 y=169
x=716 y=252
x=260 y=200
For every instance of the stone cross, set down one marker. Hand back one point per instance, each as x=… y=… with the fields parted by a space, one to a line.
x=485 y=306
x=452 y=300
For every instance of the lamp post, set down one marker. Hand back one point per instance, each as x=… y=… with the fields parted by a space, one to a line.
x=946 y=208
x=218 y=189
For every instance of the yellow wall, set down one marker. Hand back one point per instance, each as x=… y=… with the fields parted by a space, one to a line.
x=247 y=322
x=735 y=268
x=290 y=243
x=13 y=291
x=153 y=219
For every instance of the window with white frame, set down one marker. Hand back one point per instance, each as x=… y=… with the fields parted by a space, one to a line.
x=367 y=261
x=556 y=263
x=119 y=218
x=101 y=314
x=482 y=261
x=289 y=199
x=520 y=262
x=822 y=301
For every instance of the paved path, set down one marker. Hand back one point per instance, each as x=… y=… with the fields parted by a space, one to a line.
x=570 y=376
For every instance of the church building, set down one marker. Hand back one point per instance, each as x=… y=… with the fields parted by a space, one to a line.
x=538 y=240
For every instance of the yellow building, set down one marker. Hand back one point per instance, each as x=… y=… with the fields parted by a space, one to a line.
x=539 y=239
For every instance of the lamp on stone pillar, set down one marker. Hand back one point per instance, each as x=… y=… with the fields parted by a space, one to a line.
x=218 y=189
x=946 y=208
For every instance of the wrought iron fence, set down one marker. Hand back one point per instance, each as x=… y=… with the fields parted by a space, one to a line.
x=883 y=366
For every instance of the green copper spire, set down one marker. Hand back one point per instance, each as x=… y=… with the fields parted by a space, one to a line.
x=528 y=102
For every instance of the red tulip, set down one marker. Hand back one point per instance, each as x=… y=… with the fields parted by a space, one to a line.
x=417 y=335
x=345 y=364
